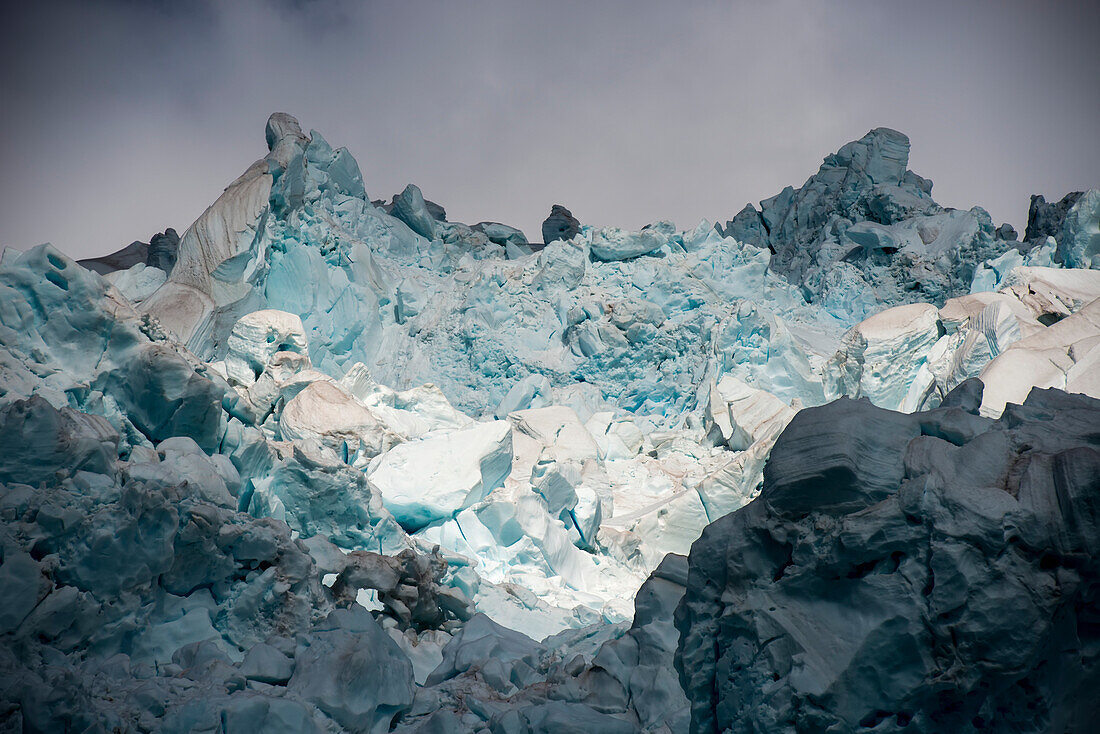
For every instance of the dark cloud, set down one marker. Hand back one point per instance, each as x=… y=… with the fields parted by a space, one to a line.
x=127 y=117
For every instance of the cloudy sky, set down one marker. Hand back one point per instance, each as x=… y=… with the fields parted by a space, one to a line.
x=123 y=118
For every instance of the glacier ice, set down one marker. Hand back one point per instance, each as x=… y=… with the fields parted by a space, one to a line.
x=864 y=232
x=159 y=253
x=1079 y=243
x=886 y=547
x=560 y=225
x=138 y=282
x=324 y=431
x=437 y=475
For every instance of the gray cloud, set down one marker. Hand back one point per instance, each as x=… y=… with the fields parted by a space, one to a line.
x=124 y=117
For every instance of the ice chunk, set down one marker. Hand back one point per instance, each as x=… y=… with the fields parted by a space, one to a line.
x=424 y=650
x=434 y=477
x=267 y=665
x=482 y=642
x=1064 y=355
x=743 y=415
x=560 y=225
x=883 y=358
x=60 y=440
x=616 y=438
x=670 y=525
x=137 y=282
x=255 y=340
x=1079 y=242
x=612 y=243
x=410 y=208
x=1052 y=293
x=501 y=234
x=424 y=406
x=350 y=669
x=533 y=391
x=559 y=428
x=326 y=412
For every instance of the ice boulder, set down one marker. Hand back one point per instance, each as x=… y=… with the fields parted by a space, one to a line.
x=1079 y=240
x=410 y=208
x=560 y=225
x=502 y=234
x=432 y=478
x=351 y=670
x=1045 y=219
x=61 y=441
x=741 y=415
x=733 y=484
x=837 y=458
x=612 y=243
x=562 y=265
x=1052 y=293
x=1065 y=355
x=327 y=413
x=533 y=391
x=669 y=525
x=316 y=493
x=959 y=314
x=255 y=340
x=559 y=428
x=977 y=329
x=883 y=358
x=616 y=438
x=411 y=412
x=504 y=656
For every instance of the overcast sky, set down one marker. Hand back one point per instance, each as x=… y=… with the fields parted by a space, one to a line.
x=123 y=118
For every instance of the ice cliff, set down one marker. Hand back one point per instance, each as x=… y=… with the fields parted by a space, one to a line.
x=324 y=463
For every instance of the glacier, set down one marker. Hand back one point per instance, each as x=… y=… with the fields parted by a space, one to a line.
x=327 y=463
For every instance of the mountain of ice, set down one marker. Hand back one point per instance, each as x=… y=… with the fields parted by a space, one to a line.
x=864 y=232
x=325 y=436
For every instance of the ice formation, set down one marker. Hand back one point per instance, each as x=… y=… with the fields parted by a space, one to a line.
x=890 y=552
x=325 y=463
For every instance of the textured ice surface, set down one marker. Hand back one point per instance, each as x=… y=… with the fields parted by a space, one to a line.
x=1079 y=243
x=864 y=232
x=331 y=406
x=886 y=548
x=437 y=475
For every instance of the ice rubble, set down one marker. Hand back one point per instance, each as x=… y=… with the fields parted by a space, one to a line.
x=327 y=404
